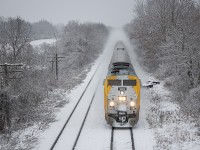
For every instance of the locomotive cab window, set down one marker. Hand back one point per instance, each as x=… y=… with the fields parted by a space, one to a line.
x=119 y=70
x=114 y=82
x=122 y=70
x=120 y=49
x=129 y=82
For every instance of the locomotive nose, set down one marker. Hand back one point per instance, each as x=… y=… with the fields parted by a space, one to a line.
x=121 y=89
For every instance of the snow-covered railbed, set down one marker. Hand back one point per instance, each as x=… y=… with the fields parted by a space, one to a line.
x=122 y=138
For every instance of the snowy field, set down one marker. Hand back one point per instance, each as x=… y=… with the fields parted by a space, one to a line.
x=40 y=42
x=37 y=44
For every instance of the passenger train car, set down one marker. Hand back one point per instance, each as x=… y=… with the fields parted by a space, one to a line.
x=121 y=90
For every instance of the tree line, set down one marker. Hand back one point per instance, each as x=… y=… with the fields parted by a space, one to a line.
x=167 y=35
x=21 y=98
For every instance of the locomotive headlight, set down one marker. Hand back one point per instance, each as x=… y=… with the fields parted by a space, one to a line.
x=122 y=92
x=112 y=103
x=122 y=98
x=132 y=103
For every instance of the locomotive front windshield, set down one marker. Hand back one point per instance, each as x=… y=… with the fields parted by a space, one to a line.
x=122 y=70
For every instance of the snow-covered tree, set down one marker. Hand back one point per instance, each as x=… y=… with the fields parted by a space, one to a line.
x=14 y=35
x=167 y=33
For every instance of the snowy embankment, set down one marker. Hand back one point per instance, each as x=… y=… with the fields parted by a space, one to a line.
x=163 y=118
x=161 y=124
x=171 y=128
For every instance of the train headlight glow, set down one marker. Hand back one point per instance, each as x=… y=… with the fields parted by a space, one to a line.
x=122 y=98
x=122 y=92
x=132 y=103
x=112 y=104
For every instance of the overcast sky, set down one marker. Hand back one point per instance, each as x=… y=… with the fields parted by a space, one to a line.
x=111 y=12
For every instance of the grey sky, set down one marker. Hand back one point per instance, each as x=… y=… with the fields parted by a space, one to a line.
x=111 y=12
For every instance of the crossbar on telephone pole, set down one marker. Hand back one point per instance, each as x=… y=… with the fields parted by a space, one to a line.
x=6 y=72
x=56 y=60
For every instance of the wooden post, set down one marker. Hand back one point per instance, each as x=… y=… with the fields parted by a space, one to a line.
x=6 y=74
x=1 y=83
x=52 y=62
x=56 y=66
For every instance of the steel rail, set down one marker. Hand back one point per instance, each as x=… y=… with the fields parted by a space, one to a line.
x=132 y=139
x=79 y=133
x=61 y=131
x=111 y=141
x=118 y=128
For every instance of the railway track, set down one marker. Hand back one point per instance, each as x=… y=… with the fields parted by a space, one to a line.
x=81 y=128
x=71 y=114
x=127 y=144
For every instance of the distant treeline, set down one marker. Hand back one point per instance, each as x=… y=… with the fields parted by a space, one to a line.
x=45 y=30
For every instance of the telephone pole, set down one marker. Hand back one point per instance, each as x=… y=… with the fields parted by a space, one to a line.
x=56 y=60
x=6 y=73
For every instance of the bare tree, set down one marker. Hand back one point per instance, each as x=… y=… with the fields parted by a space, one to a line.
x=15 y=33
x=168 y=35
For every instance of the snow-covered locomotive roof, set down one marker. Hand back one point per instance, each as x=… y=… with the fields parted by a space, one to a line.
x=120 y=63
x=119 y=46
x=120 y=53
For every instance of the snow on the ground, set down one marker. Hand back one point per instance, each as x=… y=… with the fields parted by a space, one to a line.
x=172 y=129
x=96 y=133
x=156 y=108
x=143 y=135
x=42 y=41
x=48 y=137
x=166 y=127
x=38 y=43
x=161 y=125
x=122 y=140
